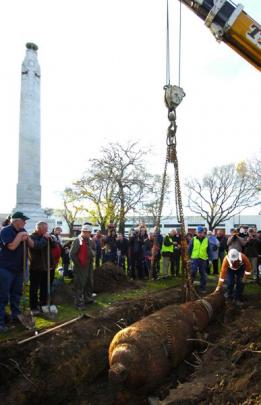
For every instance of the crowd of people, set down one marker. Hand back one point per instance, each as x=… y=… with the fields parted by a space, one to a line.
x=142 y=255
x=239 y=255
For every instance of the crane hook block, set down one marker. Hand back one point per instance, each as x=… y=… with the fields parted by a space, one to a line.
x=173 y=96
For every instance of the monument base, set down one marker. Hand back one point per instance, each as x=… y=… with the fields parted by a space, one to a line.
x=36 y=214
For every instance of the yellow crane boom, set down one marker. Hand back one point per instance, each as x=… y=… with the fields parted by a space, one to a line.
x=230 y=24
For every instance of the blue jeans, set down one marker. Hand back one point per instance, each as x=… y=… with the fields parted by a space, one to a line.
x=232 y=276
x=11 y=285
x=201 y=266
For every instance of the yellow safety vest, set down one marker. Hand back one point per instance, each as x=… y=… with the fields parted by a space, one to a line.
x=165 y=248
x=200 y=249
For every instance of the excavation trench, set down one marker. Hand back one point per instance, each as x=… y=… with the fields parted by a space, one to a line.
x=56 y=366
x=71 y=366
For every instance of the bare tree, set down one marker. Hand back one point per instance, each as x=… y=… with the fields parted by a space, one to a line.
x=124 y=167
x=72 y=208
x=254 y=171
x=223 y=193
x=150 y=207
x=99 y=191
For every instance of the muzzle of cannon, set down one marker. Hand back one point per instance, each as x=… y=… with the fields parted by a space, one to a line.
x=143 y=354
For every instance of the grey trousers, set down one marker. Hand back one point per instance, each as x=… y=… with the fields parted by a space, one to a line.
x=83 y=284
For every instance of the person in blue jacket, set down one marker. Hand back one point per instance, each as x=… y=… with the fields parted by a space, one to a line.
x=12 y=239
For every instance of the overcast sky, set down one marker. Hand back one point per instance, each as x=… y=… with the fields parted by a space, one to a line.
x=102 y=77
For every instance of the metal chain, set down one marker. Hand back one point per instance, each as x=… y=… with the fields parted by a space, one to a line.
x=162 y=194
x=189 y=291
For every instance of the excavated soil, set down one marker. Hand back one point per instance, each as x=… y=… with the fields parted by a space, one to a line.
x=107 y=278
x=229 y=372
x=59 y=367
x=70 y=366
x=224 y=369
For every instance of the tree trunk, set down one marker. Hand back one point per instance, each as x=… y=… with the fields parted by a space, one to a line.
x=71 y=229
x=122 y=213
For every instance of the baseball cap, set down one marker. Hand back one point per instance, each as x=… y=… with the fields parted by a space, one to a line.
x=200 y=229
x=86 y=228
x=233 y=255
x=19 y=215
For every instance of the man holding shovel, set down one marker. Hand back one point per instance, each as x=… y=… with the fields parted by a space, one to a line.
x=41 y=262
x=12 y=240
x=82 y=253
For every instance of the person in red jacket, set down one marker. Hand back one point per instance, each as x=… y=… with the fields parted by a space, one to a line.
x=235 y=269
x=82 y=252
x=57 y=250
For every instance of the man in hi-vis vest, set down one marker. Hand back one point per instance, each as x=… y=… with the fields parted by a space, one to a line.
x=200 y=252
x=167 y=251
x=235 y=269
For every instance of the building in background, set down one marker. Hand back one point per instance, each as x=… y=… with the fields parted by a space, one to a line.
x=168 y=223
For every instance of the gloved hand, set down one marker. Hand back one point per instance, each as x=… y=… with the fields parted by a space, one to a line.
x=219 y=288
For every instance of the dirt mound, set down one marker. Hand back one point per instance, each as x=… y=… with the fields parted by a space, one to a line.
x=109 y=278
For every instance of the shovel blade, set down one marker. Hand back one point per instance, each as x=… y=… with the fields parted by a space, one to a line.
x=27 y=320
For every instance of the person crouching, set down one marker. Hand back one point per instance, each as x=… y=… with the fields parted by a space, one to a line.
x=81 y=254
x=235 y=268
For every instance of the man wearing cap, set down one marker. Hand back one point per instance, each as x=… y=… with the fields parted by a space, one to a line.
x=12 y=238
x=39 y=262
x=82 y=253
x=199 y=252
x=235 y=269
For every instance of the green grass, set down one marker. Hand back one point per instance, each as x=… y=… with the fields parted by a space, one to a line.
x=252 y=288
x=102 y=301
x=67 y=311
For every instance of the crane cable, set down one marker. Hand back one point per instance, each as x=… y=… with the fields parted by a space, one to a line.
x=173 y=97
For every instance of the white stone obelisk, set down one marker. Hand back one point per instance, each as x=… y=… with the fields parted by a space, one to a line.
x=28 y=199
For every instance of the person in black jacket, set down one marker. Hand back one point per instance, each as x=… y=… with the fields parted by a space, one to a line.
x=222 y=245
x=252 y=250
x=122 y=245
x=66 y=259
x=38 y=266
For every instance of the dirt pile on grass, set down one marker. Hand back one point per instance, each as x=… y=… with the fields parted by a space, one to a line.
x=107 y=278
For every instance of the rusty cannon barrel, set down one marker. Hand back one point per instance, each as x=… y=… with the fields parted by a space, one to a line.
x=143 y=354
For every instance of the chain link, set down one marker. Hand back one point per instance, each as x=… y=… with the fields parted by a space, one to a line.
x=188 y=289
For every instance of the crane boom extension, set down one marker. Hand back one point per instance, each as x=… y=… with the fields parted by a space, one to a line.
x=230 y=24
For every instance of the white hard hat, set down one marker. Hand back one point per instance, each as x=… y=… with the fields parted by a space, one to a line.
x=233 y=255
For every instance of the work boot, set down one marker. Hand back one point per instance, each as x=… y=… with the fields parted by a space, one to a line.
x=26 y=320
x=81 y=307
x=3 y=329
x=239 y=303
x=89 y=301
x=35 y=312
